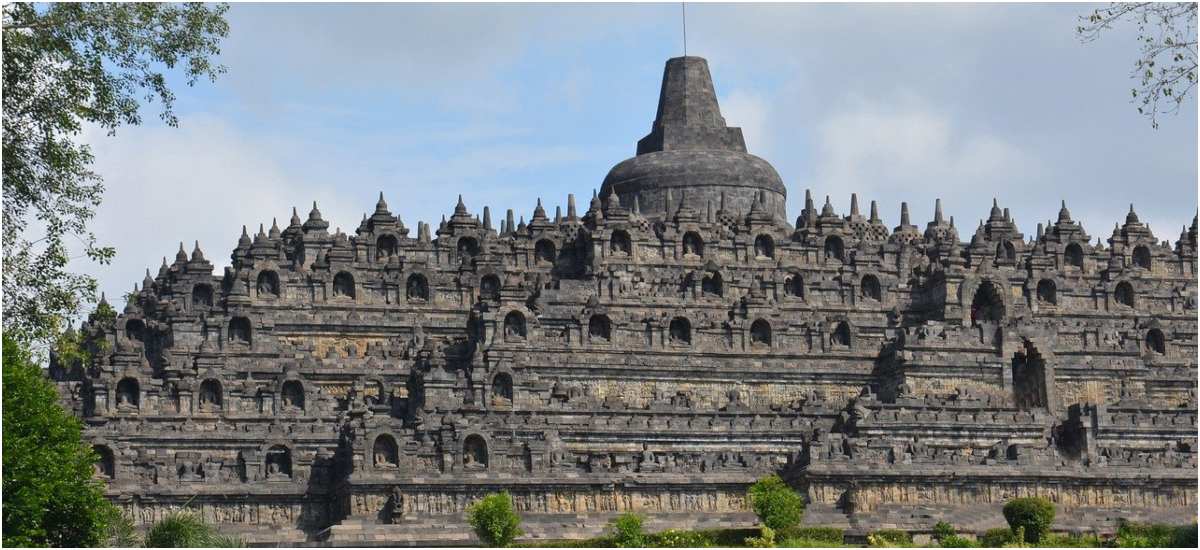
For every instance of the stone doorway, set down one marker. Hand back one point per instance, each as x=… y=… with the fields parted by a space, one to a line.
x=1029 y=378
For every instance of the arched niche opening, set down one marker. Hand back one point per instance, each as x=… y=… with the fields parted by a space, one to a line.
x=374 y=393
x=1124 y=295
x=712 y=284
x=343 y=285
x=840 y=338
x=105 y=466
x=385 y=452
x=680 y=331
x=760 y=334
x=1047 y=292
x=210 y=395
x=764 y=247
x=1006 y=251
x=1156 y=342
x=239 y=330
x=693 y=245
x=202 y=295
x=417 y=288
x=467 y=248
x=794 y=286
x=1029 y=378
x=514 y=326
x=386 y=246
x=268 y=284
x=987 y=306
x=475 y=453
x=292 y=398
x=1141 y=257
x=544 y=252
x=279 y=463
x=620 y=244
x=870 y=289
x=135 y=330
x=128 y=394
x=1073 y=255
x=502 y=389
x=835 y=248
x=600 y=328
x=489 y=288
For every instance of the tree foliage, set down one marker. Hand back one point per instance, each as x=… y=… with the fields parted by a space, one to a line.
x=1145 y=535
x=67 y=66
x=1033 y=514
x=50 y=498
x=494 y=520
x=776 y=504
x=1166 y=66
x=186 y=529
x=627 y=530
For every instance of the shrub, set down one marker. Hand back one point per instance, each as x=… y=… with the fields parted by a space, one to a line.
x=676 y=538
x=809 y=543
x=187 y=530
x=725 y=537
x=50 y=497
x=627 y=530
x=776 y=504
x=1035 y=514
x=831 y=535
x=1018 y=539
x=942 y=530
x=121 y=531
x=1051 y=540
x=494 y=520
x=1146 y=535
x=995 y=538
x=955 y=541
x=889 y=538
x=765 y=540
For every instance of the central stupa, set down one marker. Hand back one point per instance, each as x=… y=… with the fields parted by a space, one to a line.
x=691 y=158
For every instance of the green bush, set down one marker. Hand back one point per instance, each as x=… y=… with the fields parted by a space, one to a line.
x=996 y=538
x=942 y=530
x=187 y=530
x=766 y=539
x=1035 y=514
x=832 y=535
x=627 y=530
x=1147 y=535
x=776 y=504
x=889 y=538
x=956 y=541
x=1052 y=540
x=494 y=520
x=1018 y=539
x=121 y=531
x=50 y=497
x=809 y=543
x=678 y=538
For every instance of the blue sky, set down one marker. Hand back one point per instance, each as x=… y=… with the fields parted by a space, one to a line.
x=507 y=103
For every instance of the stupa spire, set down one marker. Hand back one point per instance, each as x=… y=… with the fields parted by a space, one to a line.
x=688 y=115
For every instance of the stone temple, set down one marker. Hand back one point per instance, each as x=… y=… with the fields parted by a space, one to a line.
x=657 y=350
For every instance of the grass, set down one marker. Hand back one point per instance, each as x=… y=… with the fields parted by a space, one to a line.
x=1130 y=535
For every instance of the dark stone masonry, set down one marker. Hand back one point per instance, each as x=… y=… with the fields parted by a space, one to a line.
x=657 y=351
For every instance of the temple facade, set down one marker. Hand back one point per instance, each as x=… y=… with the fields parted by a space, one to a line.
x=657 y=351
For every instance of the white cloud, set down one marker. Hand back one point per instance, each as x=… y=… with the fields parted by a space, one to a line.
x=892 y=154
x=204 y=180
x=199 y=182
